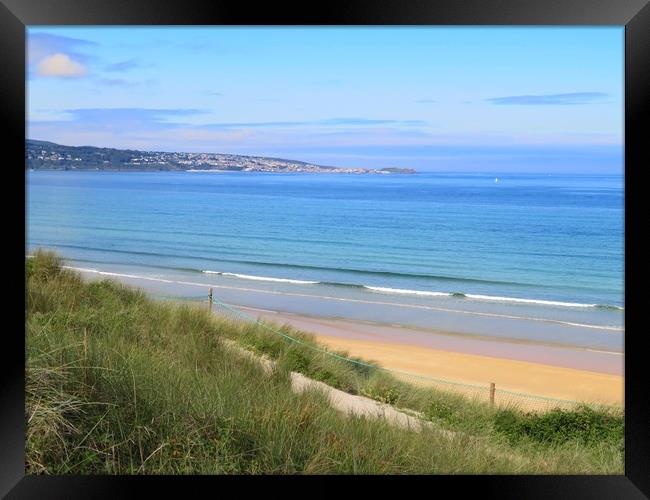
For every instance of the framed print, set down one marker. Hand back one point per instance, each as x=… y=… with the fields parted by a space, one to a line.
x=364 y=239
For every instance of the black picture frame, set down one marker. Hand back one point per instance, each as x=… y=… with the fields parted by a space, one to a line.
x=15 y=15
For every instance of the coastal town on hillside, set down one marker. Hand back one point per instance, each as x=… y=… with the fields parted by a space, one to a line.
x=41 y=155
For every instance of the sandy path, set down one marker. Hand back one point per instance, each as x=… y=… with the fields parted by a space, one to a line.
x=357 y=405
x=340 y=400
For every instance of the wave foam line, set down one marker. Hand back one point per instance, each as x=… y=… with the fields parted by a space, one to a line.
x=528 y=301
x=418 y=293
x=399 y=291
x=340 y=299
x=613 y=353
x=87 y=269
x=263 y=278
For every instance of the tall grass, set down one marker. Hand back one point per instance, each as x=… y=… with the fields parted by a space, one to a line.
x=120 y=384
x=299 y=351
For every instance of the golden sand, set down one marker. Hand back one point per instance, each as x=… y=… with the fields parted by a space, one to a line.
x=511 y=375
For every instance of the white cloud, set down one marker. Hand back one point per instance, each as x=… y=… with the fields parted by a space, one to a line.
x=60 y=65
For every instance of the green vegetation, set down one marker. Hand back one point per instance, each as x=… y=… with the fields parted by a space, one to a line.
x=90 y=158
x=585 y=425
x=118 y=383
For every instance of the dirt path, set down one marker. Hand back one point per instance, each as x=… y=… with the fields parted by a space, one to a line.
x=351 y=404
x=340 y=400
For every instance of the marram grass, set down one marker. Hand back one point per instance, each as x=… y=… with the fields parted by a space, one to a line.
x=120 y=384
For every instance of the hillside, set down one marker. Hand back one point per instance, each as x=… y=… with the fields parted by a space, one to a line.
x=42 y=155
x=120 y=384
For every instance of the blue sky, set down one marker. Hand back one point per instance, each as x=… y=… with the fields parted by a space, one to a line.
x=433 y=98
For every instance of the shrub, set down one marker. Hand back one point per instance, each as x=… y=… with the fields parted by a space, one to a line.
x=384 y=394
x=439 y=409
x=559 y=426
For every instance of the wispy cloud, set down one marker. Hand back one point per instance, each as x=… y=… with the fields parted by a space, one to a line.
x=122 y=66
x=113 y=115
x=117 y=121
x=367 y=121
x=328 y=122
x=118 y=117
x=550 y=99
x=41 y=45
x=274 y=124
x=191 y=129
x=116 y=82
x=157 y=115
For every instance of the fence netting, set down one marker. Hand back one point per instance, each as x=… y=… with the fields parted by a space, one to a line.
x=487 y=393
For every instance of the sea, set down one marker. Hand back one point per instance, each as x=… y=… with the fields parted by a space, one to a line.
x=521 y=257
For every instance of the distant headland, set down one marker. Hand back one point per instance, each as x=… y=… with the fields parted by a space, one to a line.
x=42 y=155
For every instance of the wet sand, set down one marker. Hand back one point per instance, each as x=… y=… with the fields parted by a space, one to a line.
x=544 y=370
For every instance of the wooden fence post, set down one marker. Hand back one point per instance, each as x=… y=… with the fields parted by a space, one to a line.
x=492 y=390
x=85 y=344
x=210 y=299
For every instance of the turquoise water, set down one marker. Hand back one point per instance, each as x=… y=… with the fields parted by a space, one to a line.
x=535 y=247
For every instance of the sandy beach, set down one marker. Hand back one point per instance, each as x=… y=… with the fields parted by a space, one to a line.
x=542 y=370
